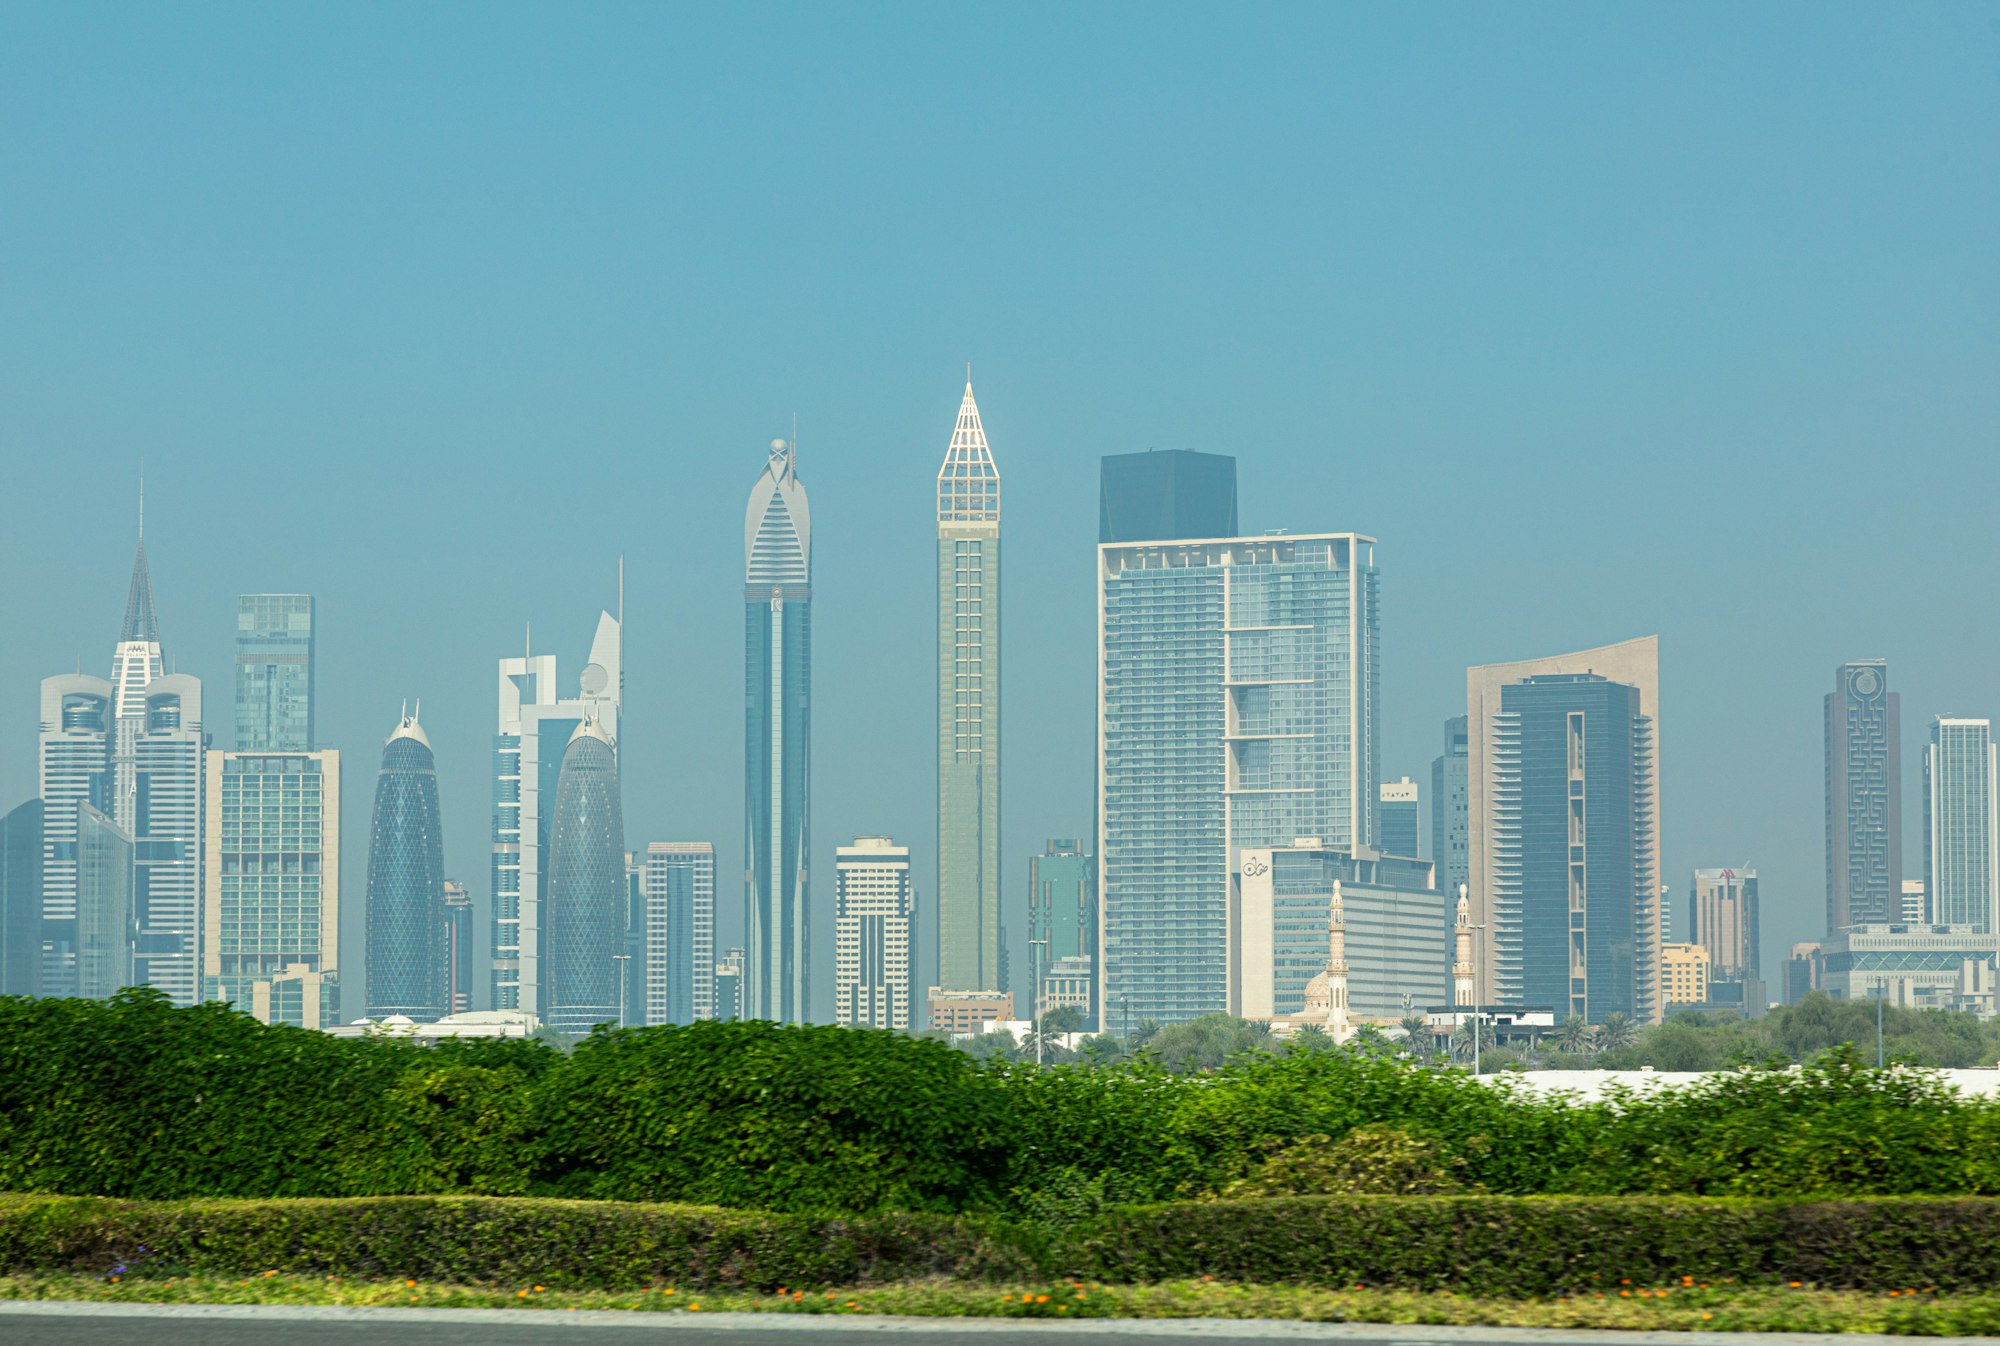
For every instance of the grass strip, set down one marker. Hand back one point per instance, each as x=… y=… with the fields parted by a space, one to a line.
x=1917 y=1311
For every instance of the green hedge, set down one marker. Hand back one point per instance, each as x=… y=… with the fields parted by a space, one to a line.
x=1551 y=1245
x=572 y=1244
x=1485 y=1245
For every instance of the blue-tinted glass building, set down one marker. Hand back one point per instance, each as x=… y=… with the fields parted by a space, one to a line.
x=585 y=919
x=1450 y=793
x=1574 y=841
x=1396 y=824
x=409 y=969
x=677 y=895
x=104 y=920
x=1062 y=912
x=274 y=673
x=1160 y=495
x=1236 y=707
x=777 y=747
x=21 y=900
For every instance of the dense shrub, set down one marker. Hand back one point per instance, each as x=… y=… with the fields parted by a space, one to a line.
x=132 y=1098
x=760 y=1116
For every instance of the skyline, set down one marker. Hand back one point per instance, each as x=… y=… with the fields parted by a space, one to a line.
x=1682 y=363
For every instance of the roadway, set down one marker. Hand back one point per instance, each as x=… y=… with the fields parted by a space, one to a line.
x=98 y=1324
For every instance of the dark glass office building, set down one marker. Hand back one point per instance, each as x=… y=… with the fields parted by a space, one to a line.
x=1158 y=496
x=1864 y=798
x=585 y=919
x=1573 y=836
x=409 y=969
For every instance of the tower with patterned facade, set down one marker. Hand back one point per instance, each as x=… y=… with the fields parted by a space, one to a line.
x=777 y=734
x=409 y=963
x=968 y=590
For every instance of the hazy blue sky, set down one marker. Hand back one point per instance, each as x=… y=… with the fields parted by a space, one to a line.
x=1604 y=319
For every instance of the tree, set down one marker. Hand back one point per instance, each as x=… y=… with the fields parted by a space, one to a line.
x=1310 y=1038
x=1417 y=1040
x=1616 y=1032
x=1205 y=1043
x=1461 y=1041
x=1573 y=1035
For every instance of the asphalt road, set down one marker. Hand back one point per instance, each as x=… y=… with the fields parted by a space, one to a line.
x=53 y=1324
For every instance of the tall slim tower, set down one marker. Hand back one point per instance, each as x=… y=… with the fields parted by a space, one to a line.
x=274 y=673
x=677 y=892
x=535 y=726
x=135 y=662
x=409 y=964
x=1864 y=797
x=968 y=549
x=170 y=775
x=874 y=916
x=75 y=742
x=585 y=918
x=1962 y=824
x=777 y=730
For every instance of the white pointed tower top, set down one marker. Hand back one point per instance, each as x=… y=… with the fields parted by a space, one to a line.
x=968 y=483
x=777 y=527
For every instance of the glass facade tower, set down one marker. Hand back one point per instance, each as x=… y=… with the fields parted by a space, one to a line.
x=1237 y=690
x=104 y=921
x=274 y=673
x=1864 y=797
x=169 y=774
x=968 y=592
x=586 y=915
x=1450 y=790
x=409 y=964
x=1574 y=900
x=1961 y=830
x=535 y=727
x=1062 y=916
x=75 y=745
x=1166 y=495
x=21 y=900
x=270 y=931
x=777 y=734
x=677 y=890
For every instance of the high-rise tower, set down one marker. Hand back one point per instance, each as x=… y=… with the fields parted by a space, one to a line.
x=75 y=743
x=585 y=917
x=1864 y=797
x=535 y=727
x=968 y=550
x=1962 y=824
x=408 y=962
x=274 y=673
x=777 y=729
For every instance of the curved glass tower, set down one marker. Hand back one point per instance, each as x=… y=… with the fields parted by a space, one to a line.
x=407 y=973
x=777 y=610
x=584 y=924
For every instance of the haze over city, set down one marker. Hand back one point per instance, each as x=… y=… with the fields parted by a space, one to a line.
x=1604 y=322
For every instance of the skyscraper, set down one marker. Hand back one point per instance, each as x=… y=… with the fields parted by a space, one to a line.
x=729 y=985
x=135 y=662
x=1396 y=827
x=1961 y=827
x=1237 y=688
x=21 y=900
x=274 y=673
x=1062 y=923
x=1572 y=895
x=874 y=916
x=1864 y=797
x=458 y=943
x=1725 y=921
x=1166 y=496
x=75 y=743
x=535 y=728
x=585 y=918
x=409 y=965
x=968 y=551
x=777 y=733
x=1533 y=955
x=1450 y=791
x=271 y=892
x=104 y=921
x=169 y=773
x=678 y=887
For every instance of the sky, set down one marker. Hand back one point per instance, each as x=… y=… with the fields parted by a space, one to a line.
x=1605 y=320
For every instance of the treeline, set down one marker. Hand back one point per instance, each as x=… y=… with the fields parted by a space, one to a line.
x=133 y=1098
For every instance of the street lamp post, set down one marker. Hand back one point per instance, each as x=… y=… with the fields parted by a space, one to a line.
x=1881 y=994
x=621 y=959
x=1035 y=994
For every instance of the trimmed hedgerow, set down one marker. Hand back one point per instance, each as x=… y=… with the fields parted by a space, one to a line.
x=573 y=1244
x=1492 y=1246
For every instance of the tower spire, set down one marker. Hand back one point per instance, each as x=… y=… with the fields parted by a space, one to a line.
x=142 y=623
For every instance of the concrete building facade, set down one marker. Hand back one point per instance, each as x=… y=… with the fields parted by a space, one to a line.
x=874 y=925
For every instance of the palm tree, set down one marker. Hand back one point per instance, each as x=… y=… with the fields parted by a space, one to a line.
x=1310 y=1038
x=1617 y=1031
x=1574 y=1035
x=1416 y=1036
